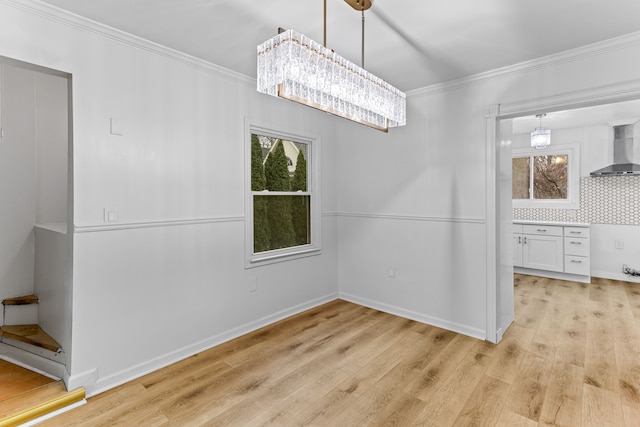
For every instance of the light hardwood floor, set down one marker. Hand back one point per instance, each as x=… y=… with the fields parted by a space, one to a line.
x=571 y=358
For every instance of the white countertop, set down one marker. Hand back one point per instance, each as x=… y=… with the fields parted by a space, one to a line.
x=561 y=223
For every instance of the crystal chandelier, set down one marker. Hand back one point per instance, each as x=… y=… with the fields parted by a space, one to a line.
x=292 y=66
x=540 y=137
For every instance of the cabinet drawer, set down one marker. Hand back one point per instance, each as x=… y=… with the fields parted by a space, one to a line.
x=577 y=265
x=543 y=230
x=576 y=232
x=517 y=228
x=576 y=246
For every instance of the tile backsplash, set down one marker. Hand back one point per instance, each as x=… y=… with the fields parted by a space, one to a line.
x=603 y=200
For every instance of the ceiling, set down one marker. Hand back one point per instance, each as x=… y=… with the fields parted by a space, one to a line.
x=409 y=43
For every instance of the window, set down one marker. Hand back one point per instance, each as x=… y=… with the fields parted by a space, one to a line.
x=282 y=186
x=546 y=178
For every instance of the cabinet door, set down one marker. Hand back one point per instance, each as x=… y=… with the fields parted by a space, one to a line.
x=517 y=250
x=543 y=252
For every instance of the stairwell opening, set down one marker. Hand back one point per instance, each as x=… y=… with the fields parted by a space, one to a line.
x=36 y=189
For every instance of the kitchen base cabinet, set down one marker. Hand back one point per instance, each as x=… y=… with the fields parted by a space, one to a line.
x=517 y=245
x=576 y=265
x=542 y=247
x=552 y=250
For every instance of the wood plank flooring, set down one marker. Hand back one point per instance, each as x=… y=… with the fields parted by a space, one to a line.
x=15 y=380
x=571 y=358
x=31 y=398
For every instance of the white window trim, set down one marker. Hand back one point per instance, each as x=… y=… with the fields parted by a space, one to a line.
x=313 y=189
x=573 y=184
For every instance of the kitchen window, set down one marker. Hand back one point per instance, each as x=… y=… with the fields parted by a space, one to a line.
x=283 y=207
x=546 y=178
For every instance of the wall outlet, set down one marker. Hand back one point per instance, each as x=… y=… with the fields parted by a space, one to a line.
x=619 y=244
x=392 y=272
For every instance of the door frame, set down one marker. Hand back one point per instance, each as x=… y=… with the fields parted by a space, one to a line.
x=58 y=368
x=495 y=229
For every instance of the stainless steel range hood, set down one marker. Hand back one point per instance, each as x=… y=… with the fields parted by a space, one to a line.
x=624 y=147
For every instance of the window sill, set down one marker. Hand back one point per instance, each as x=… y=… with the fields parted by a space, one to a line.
x=272 y=257
x=519 y=204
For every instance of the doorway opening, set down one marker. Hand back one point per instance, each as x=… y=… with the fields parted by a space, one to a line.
x=36 y=220
x=500 y=125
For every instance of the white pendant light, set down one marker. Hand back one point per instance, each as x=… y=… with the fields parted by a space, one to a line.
x=540 y=137
x=292 y=66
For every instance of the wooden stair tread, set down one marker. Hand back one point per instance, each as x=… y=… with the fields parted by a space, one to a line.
x=30 y=334
x=37 y=403
x=23 y=300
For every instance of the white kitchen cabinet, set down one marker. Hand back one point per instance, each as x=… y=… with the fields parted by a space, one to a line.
x=554 y=250
x=542 y=247
x=517 y=245
x=576 y=265
x=577 y=251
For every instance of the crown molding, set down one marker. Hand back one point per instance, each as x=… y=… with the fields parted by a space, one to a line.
x=618 y=92
x=593 y=49
x=47 y=11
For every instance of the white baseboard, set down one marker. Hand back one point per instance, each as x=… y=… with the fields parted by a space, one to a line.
x=615 y=276
x=553 y=274
x=85 y=379
x=418 y=317
x=54 y=413
x=119 y=378
x=32 y=361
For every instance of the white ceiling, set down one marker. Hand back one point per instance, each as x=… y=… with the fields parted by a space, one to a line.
x=409 y=43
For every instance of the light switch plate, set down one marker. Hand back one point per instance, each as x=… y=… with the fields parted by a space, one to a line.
x=110 y=215
x=116 y=126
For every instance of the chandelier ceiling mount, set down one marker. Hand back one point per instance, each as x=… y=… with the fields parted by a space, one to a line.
x=359 y=4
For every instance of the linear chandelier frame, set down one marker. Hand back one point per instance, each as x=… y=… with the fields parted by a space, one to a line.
x=294 y=67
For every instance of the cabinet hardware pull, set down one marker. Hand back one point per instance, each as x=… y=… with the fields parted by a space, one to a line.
x=525 y=240
x=541 y=229
x=575 y=232
x=577 y=261
x=519 y=239
x=576 y=243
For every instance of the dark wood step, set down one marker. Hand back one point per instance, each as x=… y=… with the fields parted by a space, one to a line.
x=30 y=334
x=24 y=300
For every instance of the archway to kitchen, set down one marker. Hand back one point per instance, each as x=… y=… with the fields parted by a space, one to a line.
x=499 y=196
